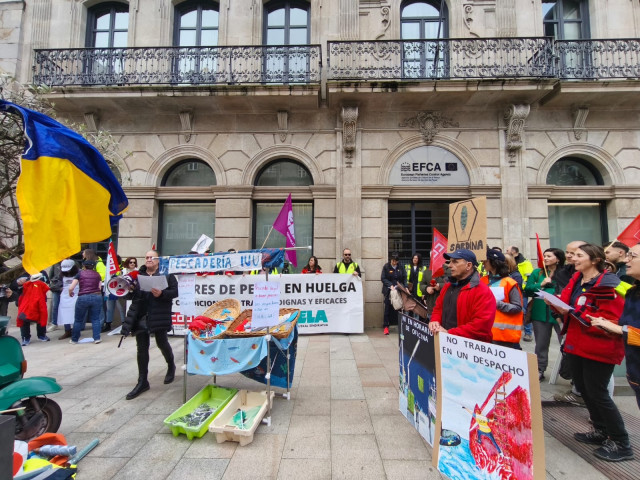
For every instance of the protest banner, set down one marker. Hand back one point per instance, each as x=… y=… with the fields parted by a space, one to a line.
x=489 y=421
x=468 y=226
x=417 y=396
x=328 y=303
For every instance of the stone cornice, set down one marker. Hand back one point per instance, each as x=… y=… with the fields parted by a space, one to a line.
x=575 y=193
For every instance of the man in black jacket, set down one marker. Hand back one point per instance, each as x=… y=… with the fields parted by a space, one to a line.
x=150 y=313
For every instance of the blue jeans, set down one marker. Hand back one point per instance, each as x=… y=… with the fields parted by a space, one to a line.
x=112 y=304
x=90 y=305
x=55 y=303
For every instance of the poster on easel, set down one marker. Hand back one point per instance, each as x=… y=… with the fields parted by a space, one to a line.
x=489 y=412
x=417 y=395
x=468 y=226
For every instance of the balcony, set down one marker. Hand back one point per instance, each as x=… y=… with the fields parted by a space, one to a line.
x=598 y=59
x=468 y=58
x=237 y=65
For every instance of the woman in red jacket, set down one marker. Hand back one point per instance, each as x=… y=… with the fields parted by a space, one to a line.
x=593 y=352
x=312 y=266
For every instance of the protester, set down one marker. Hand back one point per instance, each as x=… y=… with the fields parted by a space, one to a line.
x=465 y=307
x=347 y=265
x=431 y=287
x=561 y=278
x=629 y=324
x=113 y=302
x=56 y=288
x=507 y=325
x=592 y=352
x=392 y=274
x=32 y=307
x=67 y=307
x=525 y=268
x=616 y=254
x=543 y=279
x=415 y=273
x=312 y=266
x=89 y=301
x=129 y=265
x=150 y=313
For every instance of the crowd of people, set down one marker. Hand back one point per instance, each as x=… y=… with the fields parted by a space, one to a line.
x=597 y=324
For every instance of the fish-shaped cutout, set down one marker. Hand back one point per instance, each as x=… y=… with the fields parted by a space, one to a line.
x=234 y=360
x=201 y=352
x=254 y=346
x=214 y=359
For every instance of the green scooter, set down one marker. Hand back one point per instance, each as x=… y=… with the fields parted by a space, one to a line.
x=25 y=397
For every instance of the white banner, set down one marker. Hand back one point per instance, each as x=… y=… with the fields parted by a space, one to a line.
x=328 y=303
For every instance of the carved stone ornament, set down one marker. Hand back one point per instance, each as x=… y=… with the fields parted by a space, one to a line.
x=349 y=124
x=283 y=124
x=515 y=116
x=186 y=120
x=429 y=123
x=579 y=119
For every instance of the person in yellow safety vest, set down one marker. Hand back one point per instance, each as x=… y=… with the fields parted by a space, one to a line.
x=616 y=253
x=415 y=272
x=508 y=323
x=90 y=254
x=484 y=430
x=273 y=271
x=347 y=265
x=524 y=266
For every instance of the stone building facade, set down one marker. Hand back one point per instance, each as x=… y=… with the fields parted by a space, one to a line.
x=373 y=114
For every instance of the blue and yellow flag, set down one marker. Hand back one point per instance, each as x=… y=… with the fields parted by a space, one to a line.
x=66 y=191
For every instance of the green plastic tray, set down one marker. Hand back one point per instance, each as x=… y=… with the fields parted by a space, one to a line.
x=212 y=395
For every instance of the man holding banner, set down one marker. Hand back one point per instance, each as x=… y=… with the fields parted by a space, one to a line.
x=465 y=307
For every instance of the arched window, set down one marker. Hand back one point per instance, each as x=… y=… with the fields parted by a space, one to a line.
x=289 y=173
x=189 y=173
x=284 y=173
x=286 y=24
x=196 y=27
x=196 y=24
x=571 y=220
x=107 y=25
x=424 y=20
x=573 y=171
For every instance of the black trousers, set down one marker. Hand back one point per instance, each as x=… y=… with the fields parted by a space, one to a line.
x=25 y=329
x=390 y=313
x=592 y=379
x=143 y=342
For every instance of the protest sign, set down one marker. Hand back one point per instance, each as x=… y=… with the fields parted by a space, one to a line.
x=489 y=411
x=328 y=303
x=266 y=304
x=417 y=396
x=468 y=226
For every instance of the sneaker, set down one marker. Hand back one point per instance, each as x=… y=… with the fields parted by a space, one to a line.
x=66 y=334
x=52 y=328
x=569 y=397
x=97 y=341
x=386 y=330
x=611 y=451
x=44 y=338
x=73 y=342
x=26 y=341
x=528 y=338
x=593 y=437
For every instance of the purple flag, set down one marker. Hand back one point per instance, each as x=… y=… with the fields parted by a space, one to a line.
x=284 y=225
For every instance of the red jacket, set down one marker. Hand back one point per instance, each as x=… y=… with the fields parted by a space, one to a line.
x=600 y=301
x=32 y=304
x=476 y=310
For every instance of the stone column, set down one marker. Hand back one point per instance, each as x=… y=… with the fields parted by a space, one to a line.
x=506 y=19
x=349 y=16
x=513 y=176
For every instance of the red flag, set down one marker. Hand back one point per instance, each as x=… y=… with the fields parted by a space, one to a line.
x=153 y=247
x=284 y=225
x=438 y=248
x=113 y=267
x=540 y=254
x=631 y=235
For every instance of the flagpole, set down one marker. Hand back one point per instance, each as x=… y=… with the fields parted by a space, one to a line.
x=265 y=240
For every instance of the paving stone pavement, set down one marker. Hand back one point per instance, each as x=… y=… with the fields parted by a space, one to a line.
x=342 y=421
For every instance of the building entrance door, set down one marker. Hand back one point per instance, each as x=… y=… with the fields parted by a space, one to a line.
x=410 y=227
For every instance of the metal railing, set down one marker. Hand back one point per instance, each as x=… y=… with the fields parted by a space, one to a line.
x=261 y=64
x=453 y=58
x=598 y=59
x=384 y=60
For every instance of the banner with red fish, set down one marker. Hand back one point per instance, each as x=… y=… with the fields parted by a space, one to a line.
x=489 y=411
x=328 y=303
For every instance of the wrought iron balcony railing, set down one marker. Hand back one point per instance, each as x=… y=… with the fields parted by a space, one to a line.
x=289 y=64
x=598 y=59
x=467 y=58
